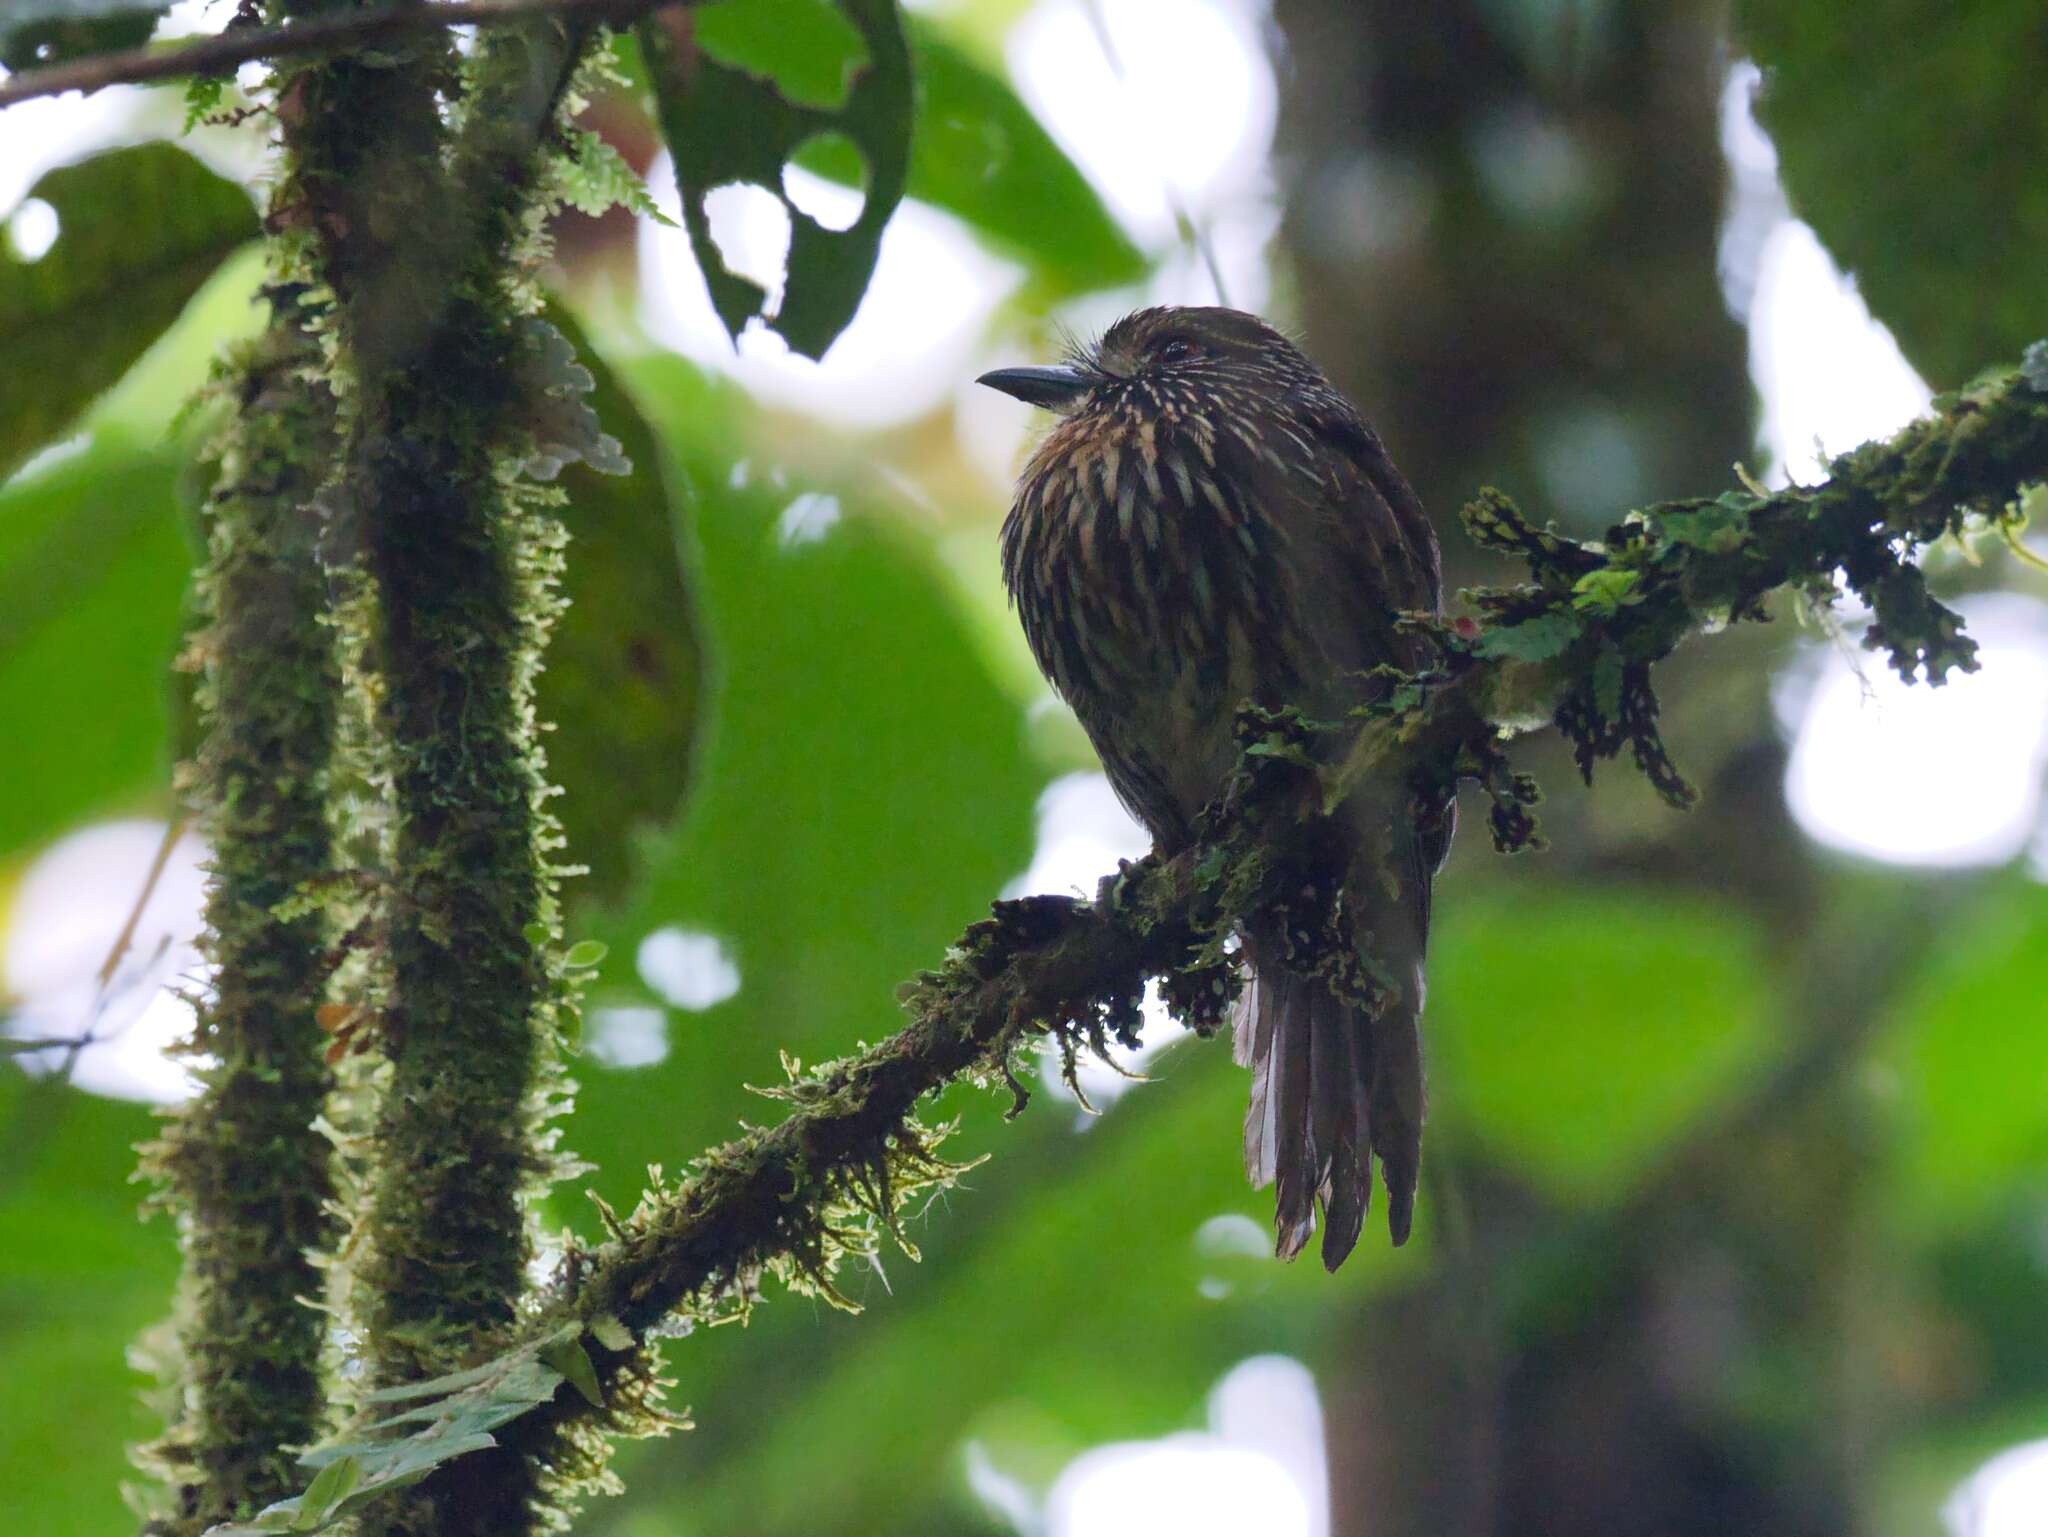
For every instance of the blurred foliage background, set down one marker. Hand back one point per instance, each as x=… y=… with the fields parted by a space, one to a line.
x=1736 y=1200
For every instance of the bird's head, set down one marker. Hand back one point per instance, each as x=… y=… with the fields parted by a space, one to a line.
x=1162 y=352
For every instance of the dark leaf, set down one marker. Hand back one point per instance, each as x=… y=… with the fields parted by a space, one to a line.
x=1913 y=147
x=1533 y=640
x=975 y=149
x=93 y=570
x=139 y=230
x=1608 y=674
x=79 y=32
x=724 y=124
x=979 y=153
x=80 y=1274
x=625 y=671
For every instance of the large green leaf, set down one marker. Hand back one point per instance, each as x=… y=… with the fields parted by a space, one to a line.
x=1910 y=134
x=19 y=13
x=79 y=1277
x=726 y=124
x=140 y=230
x=93 y=566
x=625 y=669
x=979 y=153
x=1575 y=1035
x=975 y=149
x=1963 y=1069
x=34 y=33
x=862 y=790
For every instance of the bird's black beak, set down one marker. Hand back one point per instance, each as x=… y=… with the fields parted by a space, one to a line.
x=1053 y=387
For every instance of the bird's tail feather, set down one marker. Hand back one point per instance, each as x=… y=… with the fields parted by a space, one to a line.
x=1333 y=1088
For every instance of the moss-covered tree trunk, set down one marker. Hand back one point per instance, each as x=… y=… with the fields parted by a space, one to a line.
x=430 y=251
x=243 y=1164
x=377 y=447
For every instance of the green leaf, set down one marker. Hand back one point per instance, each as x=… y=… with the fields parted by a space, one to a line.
x=330 y=1486
x=93 y=570
x=809 y=48
x=865 y=790
x=593 y=178
x=80 y=1276
x=1578 y=1034
x=624 y=682
x=976 y=151
x=570 y=1359
x=388 y=1465
x=77 y=33
x=140 y=230
x=1961 y=1066
x=980 y=154
x=1533 y=640
x=1910 y=140
x=724 y=125
x=456 y=1416
x=1603 y=591
x=1719 y=526
x=585 y=953
x=16 y=13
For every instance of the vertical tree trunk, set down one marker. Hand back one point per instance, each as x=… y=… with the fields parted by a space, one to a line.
x=243 y=1163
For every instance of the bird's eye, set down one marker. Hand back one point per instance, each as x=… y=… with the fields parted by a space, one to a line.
x=1176 y=349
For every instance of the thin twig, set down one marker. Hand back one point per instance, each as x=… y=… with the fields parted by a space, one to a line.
x=1191 y=233
x=174 y=829
x=325 y=34
x=110 y=968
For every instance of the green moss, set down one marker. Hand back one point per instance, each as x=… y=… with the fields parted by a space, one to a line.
x=242 y=1164
x=461 y=557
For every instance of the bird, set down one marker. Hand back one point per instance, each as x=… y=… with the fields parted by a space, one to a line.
x=1211 y=524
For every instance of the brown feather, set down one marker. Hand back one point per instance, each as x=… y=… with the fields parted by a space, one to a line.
x=1212 y=523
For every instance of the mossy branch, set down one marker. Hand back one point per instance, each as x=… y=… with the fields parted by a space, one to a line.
x=244 y=1165
x=1573 y=648
x=426 y=223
